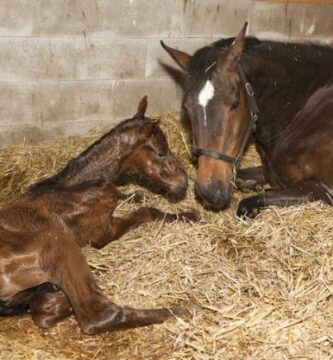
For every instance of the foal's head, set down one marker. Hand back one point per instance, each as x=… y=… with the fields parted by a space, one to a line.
x=216 y=103
x=152 y=158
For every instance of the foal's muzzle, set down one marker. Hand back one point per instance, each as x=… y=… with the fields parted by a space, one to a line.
x=178 y=190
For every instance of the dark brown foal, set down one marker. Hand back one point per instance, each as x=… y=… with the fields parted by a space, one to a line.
x=41 y=263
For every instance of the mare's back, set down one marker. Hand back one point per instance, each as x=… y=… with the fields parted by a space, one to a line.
x=302 y=66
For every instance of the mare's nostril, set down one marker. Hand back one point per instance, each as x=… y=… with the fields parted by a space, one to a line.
x=215 y=195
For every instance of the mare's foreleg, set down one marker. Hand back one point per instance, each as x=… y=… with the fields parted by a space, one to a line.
x=301 y=192
x=250 y=178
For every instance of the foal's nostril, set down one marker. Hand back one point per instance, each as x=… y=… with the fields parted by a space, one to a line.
x=182 y=186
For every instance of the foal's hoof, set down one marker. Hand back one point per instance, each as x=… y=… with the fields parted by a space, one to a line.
x=247 y=210
x=193 y=216
x=186 y=310
x=138 y=196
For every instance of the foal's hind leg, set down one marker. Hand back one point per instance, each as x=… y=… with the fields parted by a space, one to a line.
x=49 y=307
x=299 y=193
x=64 y=265
x=120 y=226
x=250 y=178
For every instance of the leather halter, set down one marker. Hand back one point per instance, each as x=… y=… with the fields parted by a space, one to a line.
x=254 y=110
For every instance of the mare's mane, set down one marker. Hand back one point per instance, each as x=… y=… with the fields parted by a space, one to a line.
x=285 y=52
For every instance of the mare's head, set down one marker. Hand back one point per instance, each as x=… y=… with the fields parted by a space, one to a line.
x=151 y=158
x=216 y=103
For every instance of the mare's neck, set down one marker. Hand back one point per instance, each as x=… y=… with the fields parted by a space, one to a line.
x=284 y=76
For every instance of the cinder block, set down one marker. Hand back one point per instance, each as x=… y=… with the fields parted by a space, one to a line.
x=60 y=129
x=101 y=103
x=110 y=59
x=142 y=18
x=67 y=17
x=34 y=59
x=105 y=18
x=163 y=96
x=156 y=55
x=269 y=20
x=18 y=17
x=215 y=18
x=27 y=133
x=310 y=21
x=75 y=101
x=283 y=20
x=36 y=133
x=18 y=103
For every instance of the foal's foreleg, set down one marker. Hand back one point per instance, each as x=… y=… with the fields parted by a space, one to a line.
x=250 y=178
x=136 y=196
x=119 y=226
x=65 y=266
x=296 y=194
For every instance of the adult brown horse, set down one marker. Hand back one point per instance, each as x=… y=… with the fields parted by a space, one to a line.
x=293 y=86
x=42 y=267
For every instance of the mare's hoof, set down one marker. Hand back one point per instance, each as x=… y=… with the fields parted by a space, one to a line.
x=246 y=209
x=193 y=216
x=246 y=184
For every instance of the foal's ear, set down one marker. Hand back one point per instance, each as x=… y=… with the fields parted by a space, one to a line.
x=180 y=57
x=142 y=107
x=238 y=45
x=149 y=127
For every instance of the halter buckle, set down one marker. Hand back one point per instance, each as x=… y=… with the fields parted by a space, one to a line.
x=249 y=89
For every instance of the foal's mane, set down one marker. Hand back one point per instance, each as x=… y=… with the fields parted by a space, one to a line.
x=82 y=159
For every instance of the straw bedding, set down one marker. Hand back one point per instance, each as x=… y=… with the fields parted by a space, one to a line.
x=265 y=285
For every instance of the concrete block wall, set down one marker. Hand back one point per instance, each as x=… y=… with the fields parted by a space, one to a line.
x=67 y=66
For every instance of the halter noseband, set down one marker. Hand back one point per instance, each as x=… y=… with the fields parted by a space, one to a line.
x=254 y=110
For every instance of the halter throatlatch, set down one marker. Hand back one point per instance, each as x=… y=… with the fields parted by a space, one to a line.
x=254 y=111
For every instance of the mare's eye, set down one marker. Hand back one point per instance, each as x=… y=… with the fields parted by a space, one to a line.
x=234 y=105
x=161 y=154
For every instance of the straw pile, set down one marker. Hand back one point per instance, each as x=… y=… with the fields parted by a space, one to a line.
x=265 y=285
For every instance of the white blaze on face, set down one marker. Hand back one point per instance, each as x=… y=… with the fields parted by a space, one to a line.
x=205 y=95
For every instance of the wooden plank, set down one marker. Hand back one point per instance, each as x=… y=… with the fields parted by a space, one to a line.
x=323 y=2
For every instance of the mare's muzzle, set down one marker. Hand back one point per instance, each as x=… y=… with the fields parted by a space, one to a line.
x=215 y=195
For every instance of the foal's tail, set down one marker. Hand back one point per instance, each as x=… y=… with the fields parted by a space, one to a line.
x=11 y=310
x=21 y=302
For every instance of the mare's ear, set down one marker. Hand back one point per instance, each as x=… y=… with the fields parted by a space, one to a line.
x=178 y=76
x=142 y=107
x=235 y=49
x=180 y=57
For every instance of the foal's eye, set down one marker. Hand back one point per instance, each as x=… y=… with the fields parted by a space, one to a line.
x=161 y=154
x=234 y=105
